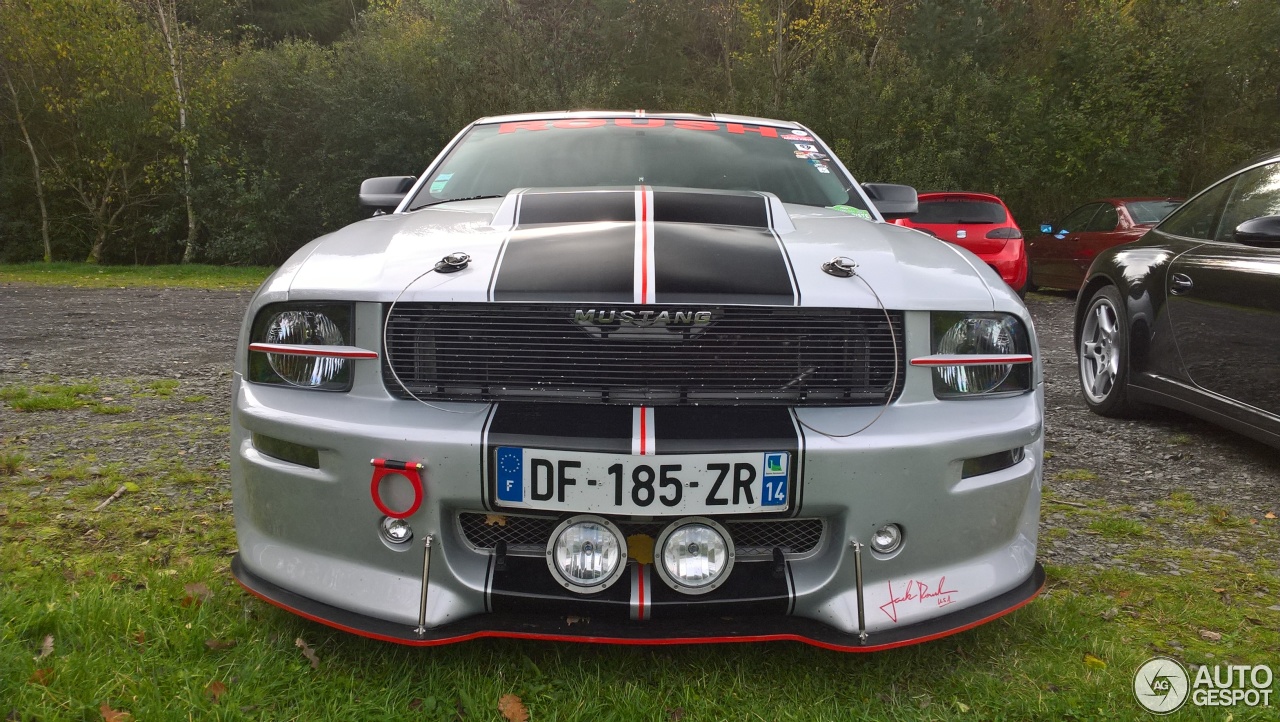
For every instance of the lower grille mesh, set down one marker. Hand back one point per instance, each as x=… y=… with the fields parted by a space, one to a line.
x=529 y=534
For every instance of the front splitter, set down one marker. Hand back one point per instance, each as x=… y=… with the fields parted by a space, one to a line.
x=711 y=630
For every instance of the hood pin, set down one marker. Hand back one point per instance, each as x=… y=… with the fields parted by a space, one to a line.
x=840 y=267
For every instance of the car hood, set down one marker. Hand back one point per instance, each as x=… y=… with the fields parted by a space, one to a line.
x=584 y=247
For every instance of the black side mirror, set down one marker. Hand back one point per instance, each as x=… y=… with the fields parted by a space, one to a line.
x=892 y=200
x=1263 y=232
x=385 y=193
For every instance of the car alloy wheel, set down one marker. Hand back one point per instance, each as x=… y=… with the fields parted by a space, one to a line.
x=1103 y=354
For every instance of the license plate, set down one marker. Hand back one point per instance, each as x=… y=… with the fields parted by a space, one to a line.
x=680 y=484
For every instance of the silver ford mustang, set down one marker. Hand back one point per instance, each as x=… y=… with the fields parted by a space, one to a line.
x=641 y=379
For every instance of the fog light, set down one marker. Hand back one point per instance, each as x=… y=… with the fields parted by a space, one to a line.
x=694 y=555
x=395 y=531
x=587 y=553
x=887 y=538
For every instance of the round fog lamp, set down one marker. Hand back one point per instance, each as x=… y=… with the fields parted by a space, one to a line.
x=887 y=538
x=587 y=553
x=395 y=531
x=694 y=555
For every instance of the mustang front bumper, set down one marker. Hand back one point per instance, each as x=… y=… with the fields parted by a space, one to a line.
x=310 y=543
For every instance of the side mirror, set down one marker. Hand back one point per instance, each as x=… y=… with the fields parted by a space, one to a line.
x=892 y=200
x=1263 y=232
x=1046 y=228
x=385 y=193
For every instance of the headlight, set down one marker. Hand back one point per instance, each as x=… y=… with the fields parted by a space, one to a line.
x=694 y=555
x=302 y=324
x=981 y=334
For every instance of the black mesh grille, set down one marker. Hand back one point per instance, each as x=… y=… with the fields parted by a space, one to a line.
x=531 y=533
x=745 y=355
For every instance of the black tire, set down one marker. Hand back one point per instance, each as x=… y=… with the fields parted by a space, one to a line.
x=1102 y=354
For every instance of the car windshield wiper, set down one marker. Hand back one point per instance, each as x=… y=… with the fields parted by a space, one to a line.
x=454 y=200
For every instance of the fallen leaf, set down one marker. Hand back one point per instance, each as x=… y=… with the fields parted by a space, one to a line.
x=42 y=676
x=961 y=706
x=1269 y=515
x=1124 y=594
x=308 y=652
x=46 y=647
x=415 y=703
x=1219 y=590
x=198 y=590
x=218 y=645
x=111 y=715
x=495 y=520
x=1093 y=662
x=513 y=709
x=215 y=690
x=1210 y=636
x=1110 y=614
x=140 y=637
x=675 y=714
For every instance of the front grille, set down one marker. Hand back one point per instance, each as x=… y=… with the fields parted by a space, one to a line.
x=530 y=534
x=745 y=355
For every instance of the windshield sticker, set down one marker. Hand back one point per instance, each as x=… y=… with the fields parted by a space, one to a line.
x=856 y=212
x=798 y=135
x=764 y=131
x=440 y=182
x=806 y=147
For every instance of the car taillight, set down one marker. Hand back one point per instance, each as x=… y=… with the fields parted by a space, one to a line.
x=1005 y=233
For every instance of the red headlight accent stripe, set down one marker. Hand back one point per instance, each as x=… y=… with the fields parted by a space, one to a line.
x=285 y=349
x=972 y=360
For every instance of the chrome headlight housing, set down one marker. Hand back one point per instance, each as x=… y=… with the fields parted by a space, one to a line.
x=302 y=324
x=980 y=334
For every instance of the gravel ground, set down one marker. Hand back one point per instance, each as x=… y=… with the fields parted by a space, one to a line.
x=130 y=338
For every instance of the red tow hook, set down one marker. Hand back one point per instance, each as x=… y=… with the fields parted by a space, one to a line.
x=410 y=470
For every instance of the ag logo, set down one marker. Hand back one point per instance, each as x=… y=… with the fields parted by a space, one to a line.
x=1161 y=685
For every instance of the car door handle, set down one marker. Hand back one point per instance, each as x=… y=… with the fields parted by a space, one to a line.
x=1180 y=283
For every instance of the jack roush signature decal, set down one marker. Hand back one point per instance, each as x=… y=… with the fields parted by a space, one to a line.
x=915 y=592
x=644 y=246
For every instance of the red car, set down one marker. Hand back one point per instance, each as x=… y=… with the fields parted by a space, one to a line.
x=979 y=222
x=1062 y=254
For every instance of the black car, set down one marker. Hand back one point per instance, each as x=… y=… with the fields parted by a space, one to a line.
x=1188 y=316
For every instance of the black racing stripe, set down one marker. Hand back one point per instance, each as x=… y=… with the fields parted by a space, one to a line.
x=710 y=208
x=571 y=427
x=727 y=429
x=544 y=265
x=581 y=207
x=527 y=586
x=720 y=264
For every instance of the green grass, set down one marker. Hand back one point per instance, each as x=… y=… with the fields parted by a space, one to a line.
x=1117 y=527
x=48 y=397
x=88 y=275
x=111 y=588
x=1076 y=475
x=11 y=462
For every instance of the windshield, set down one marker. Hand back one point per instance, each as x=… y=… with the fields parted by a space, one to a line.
x=494 y=158
x=1151 y=211
x=956 y=211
